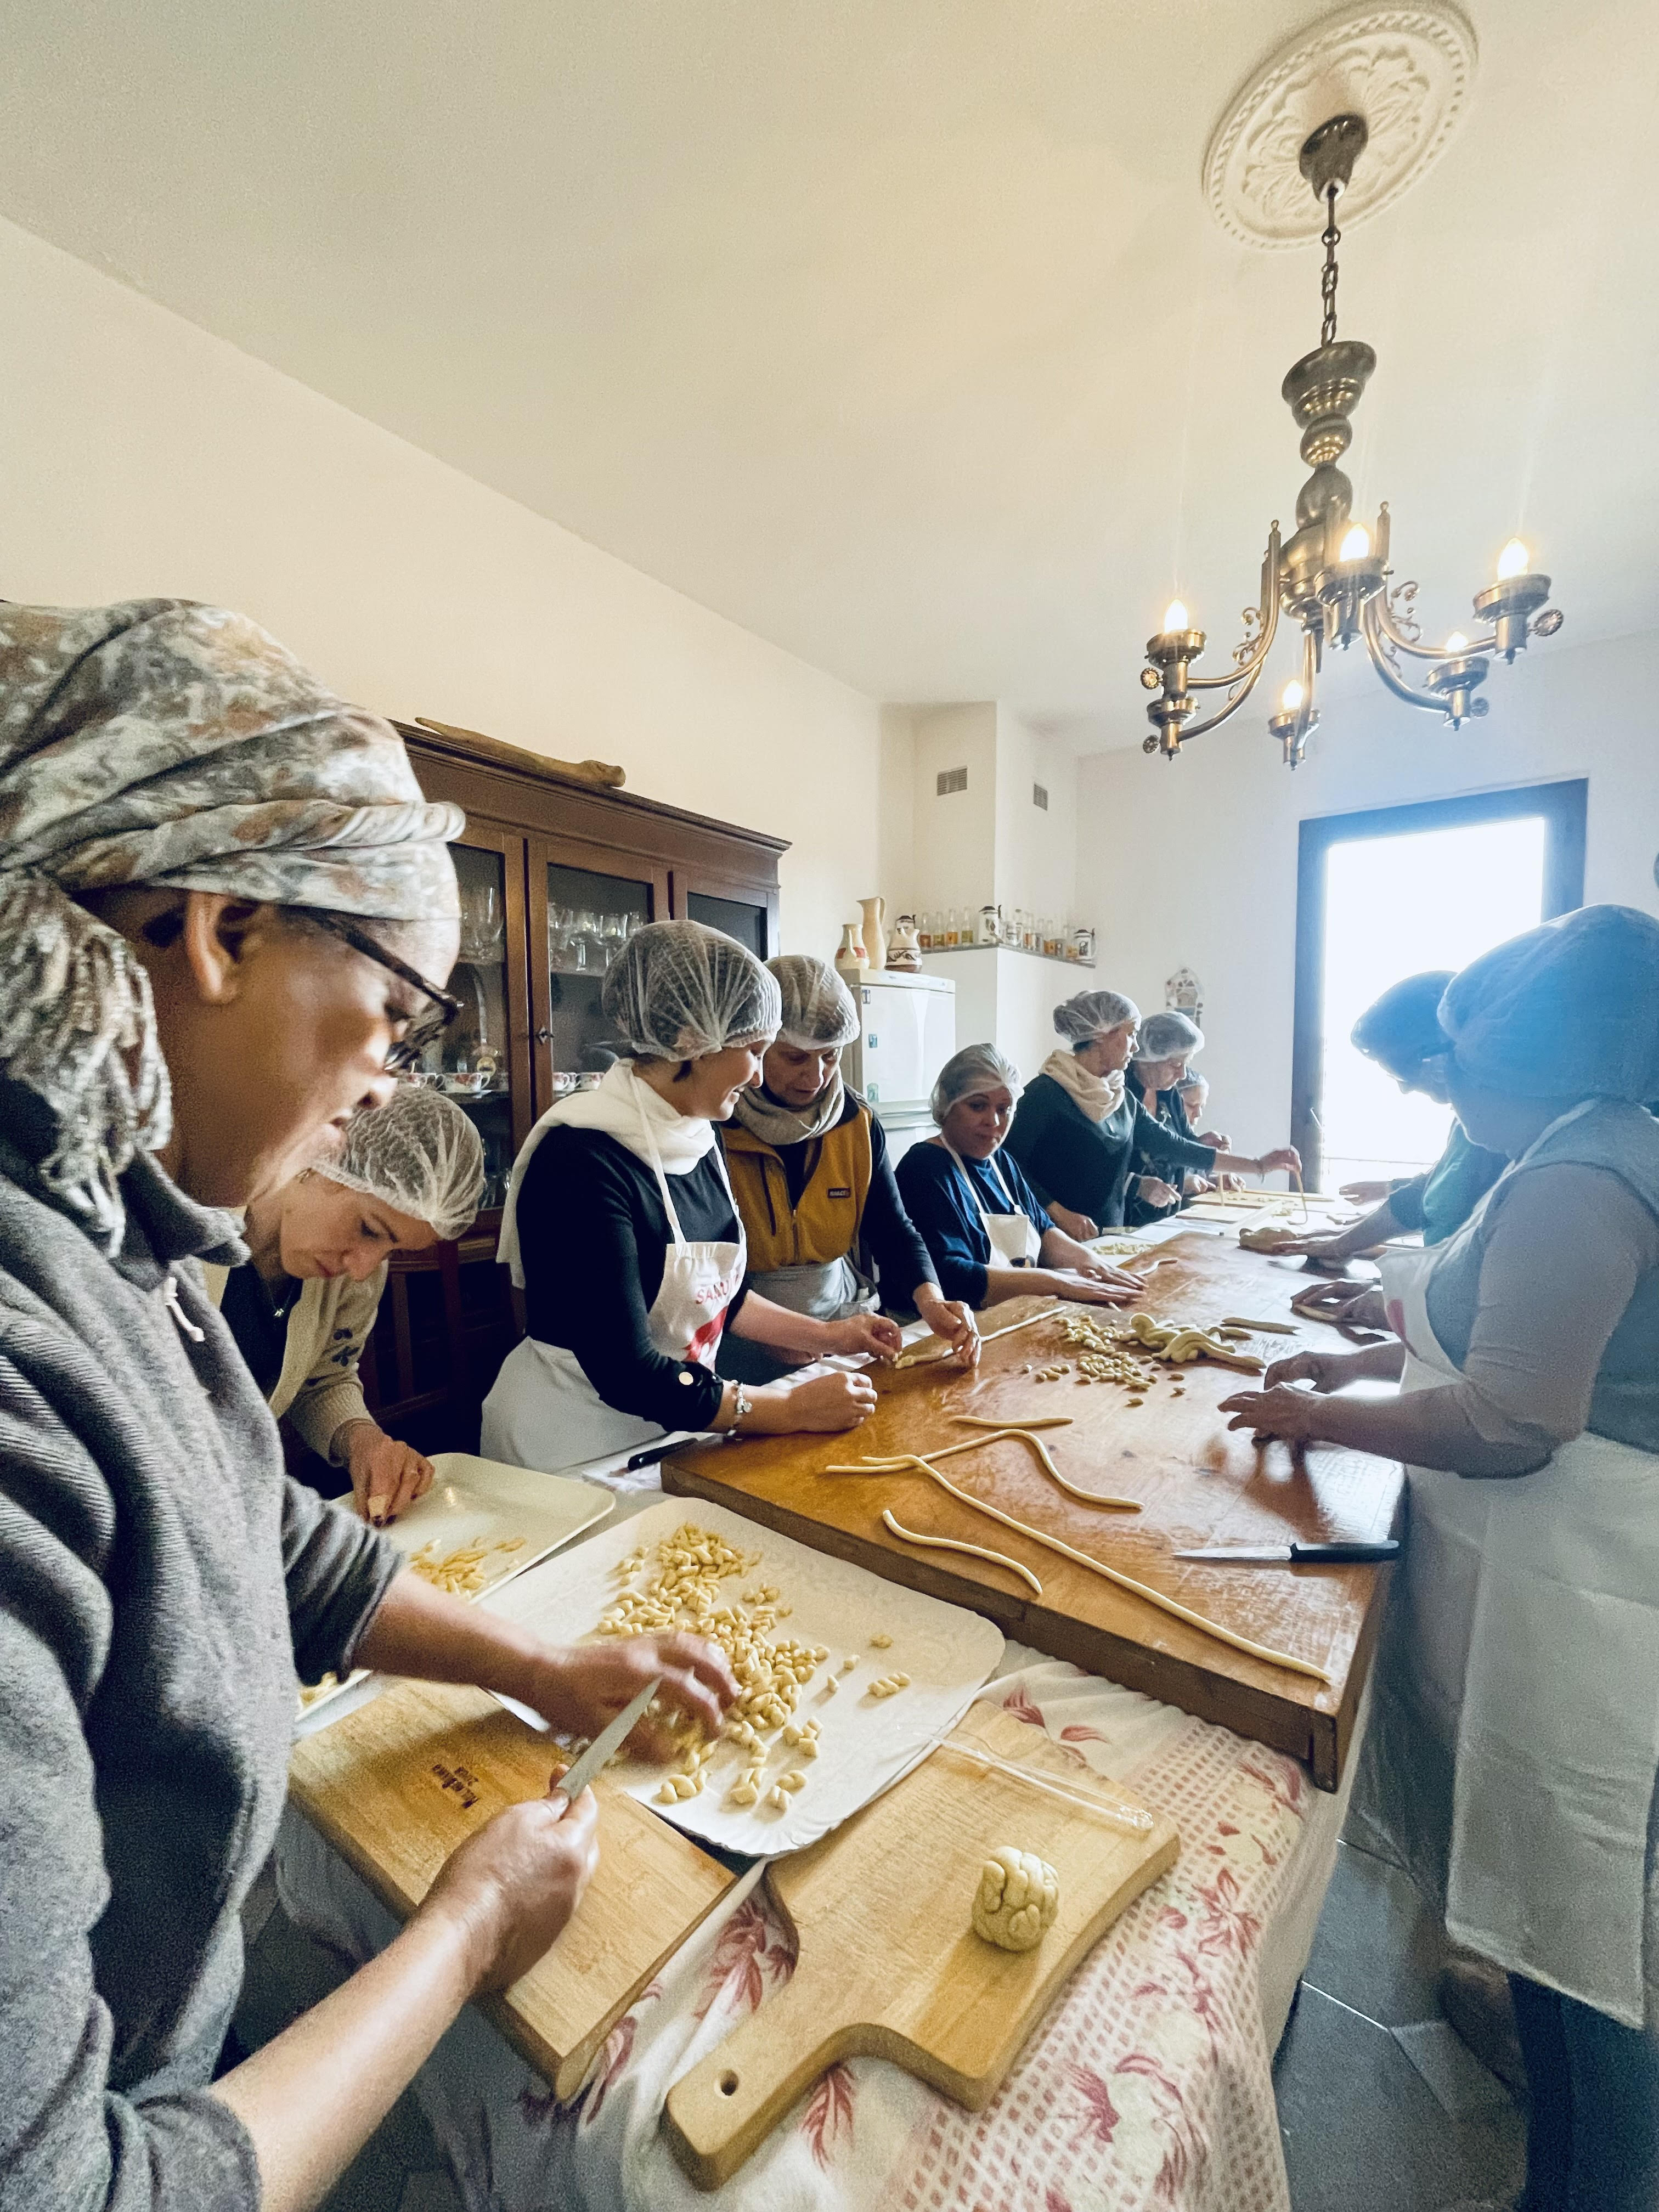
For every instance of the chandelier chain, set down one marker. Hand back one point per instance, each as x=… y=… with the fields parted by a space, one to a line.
x=1331 y=237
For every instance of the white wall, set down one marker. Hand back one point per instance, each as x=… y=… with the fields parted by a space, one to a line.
x=140 y=456
x=952 y=859
x=1195 y=861
x=1035 y=847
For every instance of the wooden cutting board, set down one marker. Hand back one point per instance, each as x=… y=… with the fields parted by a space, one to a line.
x=888 y=1965
x=397 y=1785
x=1197 y=1484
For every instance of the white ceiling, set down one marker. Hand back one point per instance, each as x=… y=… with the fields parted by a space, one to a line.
x=894 y=329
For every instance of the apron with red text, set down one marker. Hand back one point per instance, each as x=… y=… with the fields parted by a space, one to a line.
x=544 y=1412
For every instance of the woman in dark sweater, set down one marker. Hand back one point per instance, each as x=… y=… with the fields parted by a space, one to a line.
x=1167 y=1042
x=622 y=1232
x=1078 y=1130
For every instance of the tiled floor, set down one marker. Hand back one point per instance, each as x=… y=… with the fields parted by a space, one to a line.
x=1381 y=2107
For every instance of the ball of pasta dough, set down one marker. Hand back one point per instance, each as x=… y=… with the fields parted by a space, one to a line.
x=1016 y=1899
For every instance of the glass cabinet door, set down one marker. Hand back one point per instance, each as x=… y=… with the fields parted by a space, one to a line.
x=475 y=1060
x=734 y=917
x=590 y=916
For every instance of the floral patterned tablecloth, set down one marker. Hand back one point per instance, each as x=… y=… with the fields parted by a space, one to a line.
x=1147 y=2085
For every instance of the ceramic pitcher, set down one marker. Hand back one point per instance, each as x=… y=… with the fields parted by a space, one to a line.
x=875 y=936
x=903 y=947
x=851 y=954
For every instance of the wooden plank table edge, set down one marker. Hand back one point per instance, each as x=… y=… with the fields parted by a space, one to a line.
x=566 y=2076
x=1319 y=1738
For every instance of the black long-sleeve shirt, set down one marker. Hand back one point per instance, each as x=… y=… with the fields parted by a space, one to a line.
x=592 y=1237
x=887 y=1236
x=1073 y=1161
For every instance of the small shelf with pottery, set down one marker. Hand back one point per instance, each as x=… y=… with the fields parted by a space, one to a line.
x=1028 y=951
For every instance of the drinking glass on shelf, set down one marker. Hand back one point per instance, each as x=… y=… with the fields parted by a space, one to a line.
x=483 y=926
x=590 y=940
x=615 y=927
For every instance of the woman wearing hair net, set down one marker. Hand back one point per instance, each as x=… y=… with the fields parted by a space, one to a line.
x=226 y=917
x=1512 y=1746
x=989 y=1234
x=622 y=1231
x=302 y=1305
x=1402 y=1033
x=1088 y=1145
x=809 y=1170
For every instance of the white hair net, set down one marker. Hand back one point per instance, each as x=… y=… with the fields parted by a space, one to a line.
x=1091 y=1013
x=1568 y=1010
x=420 y=1154
x=818 y=1007
x=679 y=990
x=1164 y=1036
x=976 y=1067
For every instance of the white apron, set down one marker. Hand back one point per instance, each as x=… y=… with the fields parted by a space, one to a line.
x=1014 y=1238
x=543 y=1412
x=1521 y=1671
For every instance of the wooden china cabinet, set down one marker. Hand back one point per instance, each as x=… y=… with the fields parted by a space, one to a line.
x=556 y=872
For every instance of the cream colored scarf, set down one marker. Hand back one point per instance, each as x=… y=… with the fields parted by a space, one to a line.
x=1099 y=1096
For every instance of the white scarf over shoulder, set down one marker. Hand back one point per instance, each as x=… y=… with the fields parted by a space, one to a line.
x=1099 y=1096
x=623 y=1107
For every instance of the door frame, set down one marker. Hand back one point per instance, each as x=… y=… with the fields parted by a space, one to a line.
x=1564 y=805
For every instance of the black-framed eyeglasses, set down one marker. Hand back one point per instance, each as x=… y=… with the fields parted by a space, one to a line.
x=424 y=1030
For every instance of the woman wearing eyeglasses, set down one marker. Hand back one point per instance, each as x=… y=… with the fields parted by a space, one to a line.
x=226 y=911
x=303 y=1304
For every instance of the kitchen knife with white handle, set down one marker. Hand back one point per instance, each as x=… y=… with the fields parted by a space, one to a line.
x=1297 y=1555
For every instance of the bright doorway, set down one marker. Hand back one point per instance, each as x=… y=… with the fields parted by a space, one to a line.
x=1385 y=893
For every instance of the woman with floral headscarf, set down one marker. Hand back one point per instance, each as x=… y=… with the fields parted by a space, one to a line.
x=226 y=915
x=1514 y=1740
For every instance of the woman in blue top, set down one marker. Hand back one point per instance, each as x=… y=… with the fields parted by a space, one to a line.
x=989 y=1232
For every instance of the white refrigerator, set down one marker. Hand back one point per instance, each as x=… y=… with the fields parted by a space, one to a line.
x=908 y=1031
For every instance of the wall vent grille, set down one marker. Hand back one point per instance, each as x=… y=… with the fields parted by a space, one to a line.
x=950 y=779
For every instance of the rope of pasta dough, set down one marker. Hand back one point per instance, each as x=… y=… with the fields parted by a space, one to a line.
x=1111 y=1574
x=972 y=1444
x=954 y=1544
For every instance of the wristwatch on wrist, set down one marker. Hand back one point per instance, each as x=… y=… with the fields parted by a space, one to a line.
x=743 y=1404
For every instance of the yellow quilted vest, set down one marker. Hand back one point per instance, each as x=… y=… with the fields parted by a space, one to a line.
x=825 y=1225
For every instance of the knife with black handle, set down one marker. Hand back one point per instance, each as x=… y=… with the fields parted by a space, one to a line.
x=1298 y=1555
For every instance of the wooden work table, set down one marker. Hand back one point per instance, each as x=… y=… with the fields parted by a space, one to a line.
x=1197 y=1483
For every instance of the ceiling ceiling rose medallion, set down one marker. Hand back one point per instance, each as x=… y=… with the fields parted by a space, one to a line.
x=1407 y=71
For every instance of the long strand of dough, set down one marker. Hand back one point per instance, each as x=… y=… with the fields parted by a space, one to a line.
x=954 y=1544
x=913 y=1355
x=1111 y=1574
x=972 y=1444
x=1042 y=1421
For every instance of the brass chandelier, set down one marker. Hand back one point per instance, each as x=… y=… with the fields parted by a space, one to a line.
x=1332 y=575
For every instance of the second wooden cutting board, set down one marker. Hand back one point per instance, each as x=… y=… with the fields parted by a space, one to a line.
x=888 y=1965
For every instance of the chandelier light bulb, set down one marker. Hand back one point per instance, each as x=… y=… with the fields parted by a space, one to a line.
x=1457 y=643
x=1512 y=560
x=1358 y=543
x=1290 y=697
x=1175 y=617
